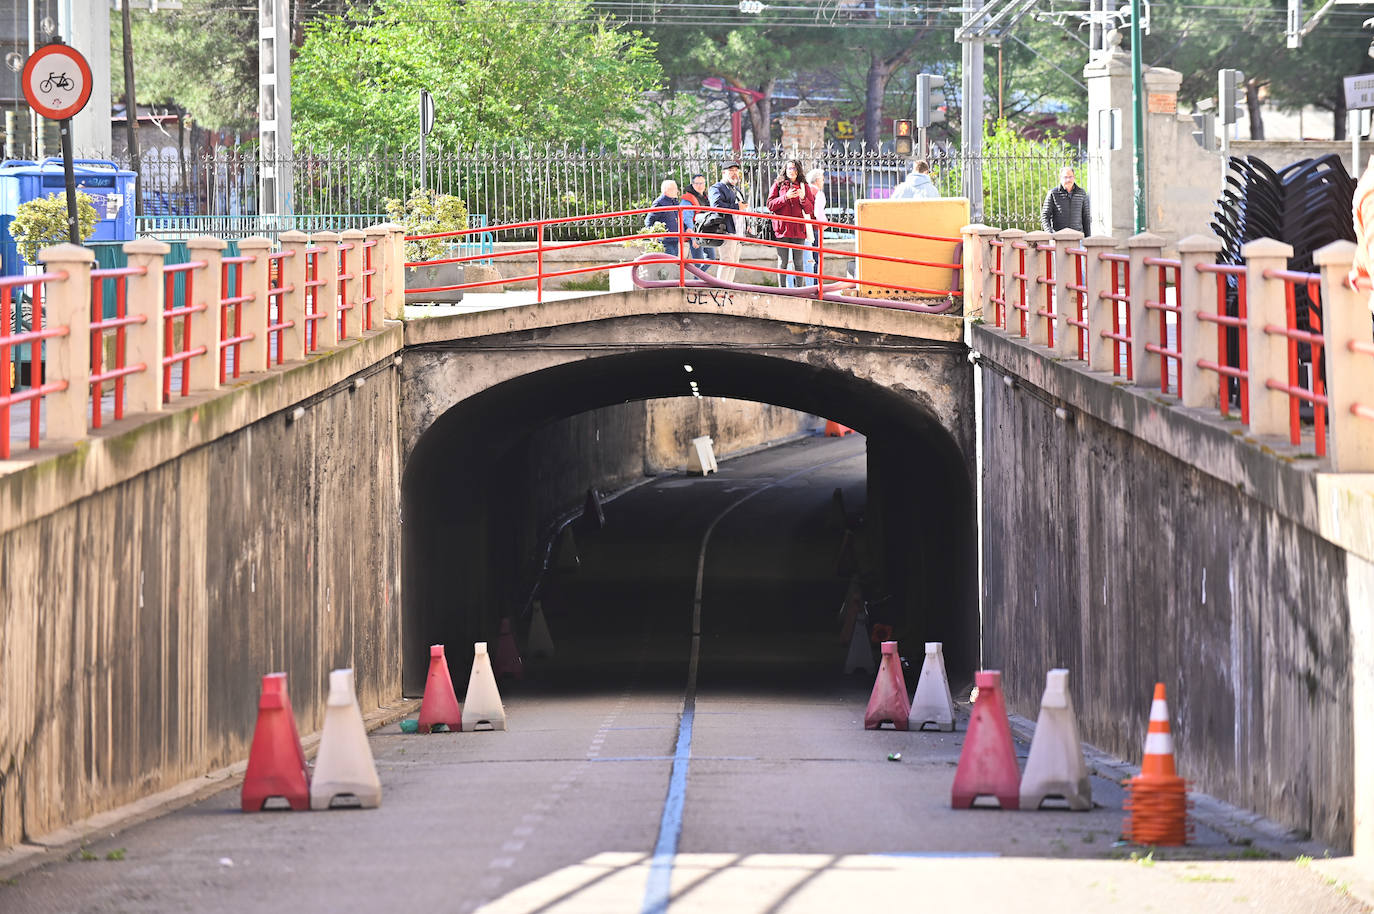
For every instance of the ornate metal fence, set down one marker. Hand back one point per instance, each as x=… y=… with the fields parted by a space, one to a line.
x=523 y=183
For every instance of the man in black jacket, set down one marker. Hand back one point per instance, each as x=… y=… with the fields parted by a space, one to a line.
x=1066 y=206
x=725 y=195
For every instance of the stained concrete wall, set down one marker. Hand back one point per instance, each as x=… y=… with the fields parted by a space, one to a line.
x=1137 y=543
x=152 y=574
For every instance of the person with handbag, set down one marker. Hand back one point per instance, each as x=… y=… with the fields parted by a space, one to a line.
x=790 y=195
x=696 y=195
x=724 y=194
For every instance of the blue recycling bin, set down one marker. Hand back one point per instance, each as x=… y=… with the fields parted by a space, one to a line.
x=110 y=188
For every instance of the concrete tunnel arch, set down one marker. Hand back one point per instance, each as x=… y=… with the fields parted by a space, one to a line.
x=457 y=481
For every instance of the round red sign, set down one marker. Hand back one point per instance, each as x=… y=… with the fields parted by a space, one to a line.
x=57 y=81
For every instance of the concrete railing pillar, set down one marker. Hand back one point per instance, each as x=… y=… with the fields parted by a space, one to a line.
x=392 y=270
x=351 y=259
x=293 y=272
x=1197 y=294
x=1346 y=320
x=1012 y=286
x=1039 y=293
x=1101 y=312
x=377 y=236
x=1266 y=353
x=1065 y=299
x=67 y=303
x=977 y=269
x=254 y=281
x=145 y=295
x=206 y=285
x=1145 y=365
x=327 y=292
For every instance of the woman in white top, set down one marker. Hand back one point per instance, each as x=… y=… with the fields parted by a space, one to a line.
x=816 y=178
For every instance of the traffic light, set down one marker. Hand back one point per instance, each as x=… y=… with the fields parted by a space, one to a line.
x=901 y=137
x=1230 y=95
x=924 y=107
x=1206 y=132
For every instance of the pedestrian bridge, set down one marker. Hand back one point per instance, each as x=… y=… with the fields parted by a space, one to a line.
x=281 y=474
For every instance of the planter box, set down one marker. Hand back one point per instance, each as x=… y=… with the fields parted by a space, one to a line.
x=427 y=277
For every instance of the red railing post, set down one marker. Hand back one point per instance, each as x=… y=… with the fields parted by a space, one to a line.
x=293 y=301
x=1197 y=294
x=1013 y=289
x=820 y=259
x=681 y=246
x=1144 y=322
x=255 y=280
x=1268 y=353
x=1346 y=323
x=66 y=302
x=1065 y=299
x=327 y=293
x=539 y=263
x=1101 y=312
x=351 y=291
x=208 y=289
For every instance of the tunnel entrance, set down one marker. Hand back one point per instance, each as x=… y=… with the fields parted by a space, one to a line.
x=487 y=483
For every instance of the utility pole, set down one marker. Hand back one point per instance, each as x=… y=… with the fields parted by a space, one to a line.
x=274 y=107
x=1137 y=120
x=971 y=130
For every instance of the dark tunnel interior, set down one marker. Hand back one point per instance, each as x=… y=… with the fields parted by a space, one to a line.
x=474 y=534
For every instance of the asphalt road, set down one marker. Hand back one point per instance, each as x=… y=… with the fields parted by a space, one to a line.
x=678 y=755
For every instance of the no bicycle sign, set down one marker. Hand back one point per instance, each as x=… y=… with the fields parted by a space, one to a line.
x=57 y=81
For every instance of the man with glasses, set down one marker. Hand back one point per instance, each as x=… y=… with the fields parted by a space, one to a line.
x=1066 y=206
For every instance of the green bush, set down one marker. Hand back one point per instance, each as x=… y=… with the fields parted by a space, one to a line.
x=1018 y=172
x=42 y=222
x=427 y=213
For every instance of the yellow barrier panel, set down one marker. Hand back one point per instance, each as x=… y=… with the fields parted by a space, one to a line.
x=943 y=216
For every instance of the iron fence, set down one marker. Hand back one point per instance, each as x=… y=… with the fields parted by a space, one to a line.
x=526 y=183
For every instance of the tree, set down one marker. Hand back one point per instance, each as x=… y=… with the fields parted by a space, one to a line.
x=542 y=71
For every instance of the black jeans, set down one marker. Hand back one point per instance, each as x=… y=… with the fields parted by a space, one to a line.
x=795 y=256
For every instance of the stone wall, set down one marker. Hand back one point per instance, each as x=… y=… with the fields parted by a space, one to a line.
x=1132 y=543
x=150 y=576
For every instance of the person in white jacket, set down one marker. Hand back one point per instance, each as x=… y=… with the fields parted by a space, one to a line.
x=918 y=185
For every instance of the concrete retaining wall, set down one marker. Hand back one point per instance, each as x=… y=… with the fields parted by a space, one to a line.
x=149 y=577
x=1138 y=542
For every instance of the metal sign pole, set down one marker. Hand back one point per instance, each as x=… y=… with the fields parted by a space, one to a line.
x=69 y=173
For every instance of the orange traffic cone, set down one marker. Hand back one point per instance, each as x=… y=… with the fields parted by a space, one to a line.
x=888 y=704
x=987 y=764
x=1158 y=798
x=276 y=764
x=836 y=430
x=440 y=705
x=506 y=661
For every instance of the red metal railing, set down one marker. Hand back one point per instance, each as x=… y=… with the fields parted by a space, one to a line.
x=1120 y=296
x=1314 y=392
x=1079 y=288
x=277 y=287
x=369 y=274
x=177 y=321
x=1240 y=371
x=999 y=285
x=313 y=314
x=10 y=369
x=1170 y=358
x=231 y=276
x=100 y=325
x=821 y=279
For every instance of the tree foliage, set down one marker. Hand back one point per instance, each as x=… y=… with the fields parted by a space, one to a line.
x=542 y=71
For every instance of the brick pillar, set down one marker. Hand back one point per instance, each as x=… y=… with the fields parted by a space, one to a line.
x=145 y=296
x=1267 y=354
x=255 y=281
x=1039 y=293
x=327 y=293
x=206 y=288
x=1144 y=322
x=293 y=299
x=1065 y=299
x=1197 y=294
x=1101 y=312
x=67 y=303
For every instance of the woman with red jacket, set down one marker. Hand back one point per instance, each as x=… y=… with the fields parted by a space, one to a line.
x=791 y=196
